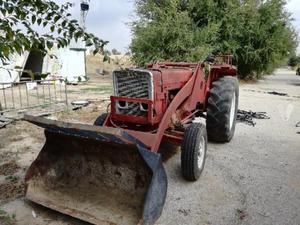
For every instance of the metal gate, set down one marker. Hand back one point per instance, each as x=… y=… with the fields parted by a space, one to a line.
x=26 y=95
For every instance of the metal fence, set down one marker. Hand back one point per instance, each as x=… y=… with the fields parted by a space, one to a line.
x=22 y=96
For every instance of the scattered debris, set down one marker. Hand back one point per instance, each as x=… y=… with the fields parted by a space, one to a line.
x=46 y=111
x=99 y=71
x=272 y=93
x=33 y=214
x=248 y=116
x=9 y=168
x=79 y=104
x=5 y=121
x=242 y=214
x=298 y=125
x=277 y=93
x=185 y=212
x=98 y=100
x=263 y=214
x=11 y=190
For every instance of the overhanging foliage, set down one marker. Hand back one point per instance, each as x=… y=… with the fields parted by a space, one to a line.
x=19 y=20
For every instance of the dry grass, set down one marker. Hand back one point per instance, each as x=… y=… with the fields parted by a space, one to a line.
x=95 y=63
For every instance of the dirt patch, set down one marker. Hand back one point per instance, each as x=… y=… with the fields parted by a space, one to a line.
x=6 y=156
x=86 y=115
x=9 y=168
x=12 y=190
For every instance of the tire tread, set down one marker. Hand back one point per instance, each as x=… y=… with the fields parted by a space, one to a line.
x=189 y=152
x=218 y=109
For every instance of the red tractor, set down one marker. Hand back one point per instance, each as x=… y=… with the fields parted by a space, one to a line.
x=112 y=171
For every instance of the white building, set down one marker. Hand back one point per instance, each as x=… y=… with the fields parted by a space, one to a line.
x=67 y=63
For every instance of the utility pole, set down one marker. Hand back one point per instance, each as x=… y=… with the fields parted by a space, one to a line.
x=84 y=8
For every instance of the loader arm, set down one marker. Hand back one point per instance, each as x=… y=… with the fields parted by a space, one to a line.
x=187 y=98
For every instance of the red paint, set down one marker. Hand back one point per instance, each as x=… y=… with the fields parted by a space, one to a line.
x=192 y=96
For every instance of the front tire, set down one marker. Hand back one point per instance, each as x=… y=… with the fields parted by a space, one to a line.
x=222 y=109
x=100 y=120
x=193 y=151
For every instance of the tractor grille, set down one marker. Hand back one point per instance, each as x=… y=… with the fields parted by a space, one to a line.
x=133 y=84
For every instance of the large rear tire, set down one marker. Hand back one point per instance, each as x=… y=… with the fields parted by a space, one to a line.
x=100 y=120
x=193 y=151
x=222 y=109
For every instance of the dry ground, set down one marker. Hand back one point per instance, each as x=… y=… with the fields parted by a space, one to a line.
x=254 y=179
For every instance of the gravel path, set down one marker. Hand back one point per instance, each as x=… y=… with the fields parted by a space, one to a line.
x=254 y=179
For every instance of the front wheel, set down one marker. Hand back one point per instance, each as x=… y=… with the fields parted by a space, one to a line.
x=100 y=120
x=193 y=151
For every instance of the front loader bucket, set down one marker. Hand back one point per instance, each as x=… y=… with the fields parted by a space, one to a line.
x=97 y=174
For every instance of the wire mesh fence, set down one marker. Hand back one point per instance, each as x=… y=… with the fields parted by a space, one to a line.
x=22 y=96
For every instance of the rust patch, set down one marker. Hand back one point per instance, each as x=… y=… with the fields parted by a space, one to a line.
x=9 y=168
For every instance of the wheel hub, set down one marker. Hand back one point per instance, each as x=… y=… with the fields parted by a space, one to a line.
x=232 y=111
x=201 y=152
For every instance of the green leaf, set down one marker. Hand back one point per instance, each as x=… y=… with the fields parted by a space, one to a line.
x=33 y=19
x=17 y=47
x=3 y=11
x=89 y=43
x=77 y=35
x=64 y=23
x=106 y=58
x=97 y=49
x=10 y=10
x=52 y=28
x=9 y=35
x=5 y=51
x=56 y=18
x=39 y=21
x=49 y=44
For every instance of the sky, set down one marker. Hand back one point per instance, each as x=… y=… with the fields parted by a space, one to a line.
x=108 y=19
